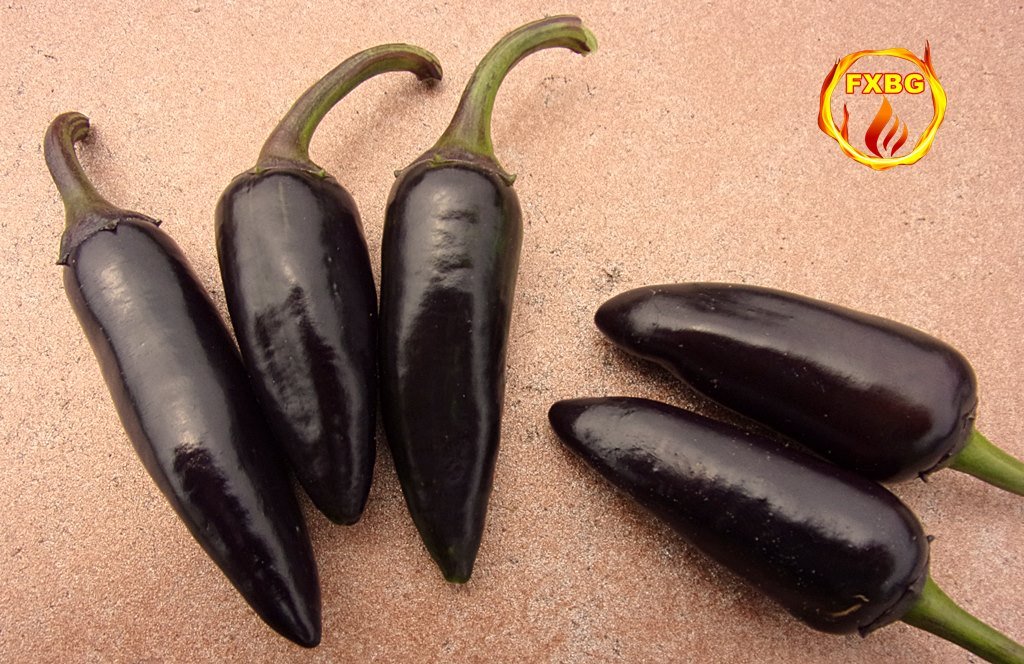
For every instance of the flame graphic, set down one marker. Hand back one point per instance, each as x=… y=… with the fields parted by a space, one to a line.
x=841 y=134
x=878 y=124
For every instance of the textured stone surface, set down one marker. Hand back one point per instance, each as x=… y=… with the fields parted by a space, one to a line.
x=686 y=148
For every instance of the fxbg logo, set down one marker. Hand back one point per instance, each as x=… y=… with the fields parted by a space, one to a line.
x=892 y=73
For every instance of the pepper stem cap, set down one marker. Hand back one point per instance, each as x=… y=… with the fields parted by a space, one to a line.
x=85 y=210
x=80 y=197
x=468 y=136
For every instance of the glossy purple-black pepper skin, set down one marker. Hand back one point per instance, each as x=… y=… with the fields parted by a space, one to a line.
x=450 y=253
x=869 y=394
x=183 y=397
x=299 y=288
x=838 y=551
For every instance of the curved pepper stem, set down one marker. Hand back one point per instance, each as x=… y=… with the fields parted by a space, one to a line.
x=288 y=144
x=86 y=211
x=468 y=136
x=935 y=612
x=990 y=464
x=80 y=197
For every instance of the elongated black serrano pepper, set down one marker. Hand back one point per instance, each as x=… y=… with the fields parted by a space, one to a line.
x=870 y=394
x=449 y=259
x=838 y=551
x=182 y=394
x=299 y=287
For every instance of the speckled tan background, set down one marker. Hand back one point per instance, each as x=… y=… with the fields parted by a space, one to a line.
x=686 y=148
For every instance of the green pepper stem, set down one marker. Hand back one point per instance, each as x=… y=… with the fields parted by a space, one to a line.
x=935 y=612
x=288 y=144
x=76 y=190
x=468 y=136
x=990 y=464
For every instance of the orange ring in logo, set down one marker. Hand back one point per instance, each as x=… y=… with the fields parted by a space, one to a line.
x=924 y=143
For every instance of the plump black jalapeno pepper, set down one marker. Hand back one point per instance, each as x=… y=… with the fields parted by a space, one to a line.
x=299 y=288
x=182 y=394
x=838 y=551
x=452 y=236
x=869 y=394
